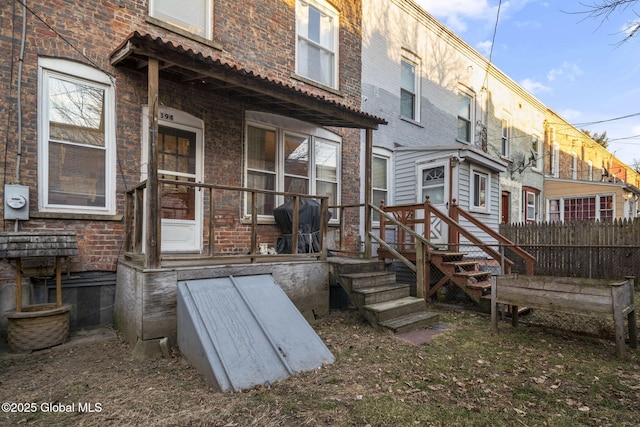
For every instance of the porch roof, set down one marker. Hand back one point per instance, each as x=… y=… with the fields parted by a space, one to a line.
x=180 y=64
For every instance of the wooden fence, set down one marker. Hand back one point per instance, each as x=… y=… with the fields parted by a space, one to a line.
x=597 y=250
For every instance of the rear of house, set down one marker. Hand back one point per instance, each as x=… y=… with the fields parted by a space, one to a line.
x=264 y=96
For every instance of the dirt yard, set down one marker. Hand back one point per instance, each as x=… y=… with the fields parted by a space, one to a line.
x=464 y=376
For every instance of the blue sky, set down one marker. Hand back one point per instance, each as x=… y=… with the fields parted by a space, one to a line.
x=574 y=64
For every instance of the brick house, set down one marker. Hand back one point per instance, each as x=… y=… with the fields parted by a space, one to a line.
x=98 y=96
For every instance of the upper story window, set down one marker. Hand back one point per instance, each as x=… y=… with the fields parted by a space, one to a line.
x=465 y=116
x=192 y=16
x=317 y=42
x=574 y=165
x=505 y=148
x=409 y=89
x=555 y=160
x=590 y=171
x=76 y=139
x=536 y=153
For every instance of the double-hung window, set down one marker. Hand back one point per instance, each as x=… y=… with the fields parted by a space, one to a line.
x=317 y=42
x=409 y=96
x=480 y=188
x=285 y=159
x=380 y=181
x=76 y=146
x=191 y=16
x=465 y=117
x=530 y=199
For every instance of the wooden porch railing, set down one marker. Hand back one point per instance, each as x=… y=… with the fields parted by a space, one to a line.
x=135 y=216
x=409 y=214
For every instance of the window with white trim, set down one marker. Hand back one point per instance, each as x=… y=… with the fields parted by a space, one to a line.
x=409 y=89
x=530 y=205
x=574 y=165
x=465 y=116
x=192 y=16
x=380 y=174
x=480 y=190
x=317 y=42
x=597 y=207
x=505 y=139
x=286 y=159
x=76 y=138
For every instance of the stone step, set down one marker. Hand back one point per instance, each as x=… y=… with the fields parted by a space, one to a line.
x=366 y=280
x=383 y=311
x=365 y=296
x=343 y=265
x=412 y=322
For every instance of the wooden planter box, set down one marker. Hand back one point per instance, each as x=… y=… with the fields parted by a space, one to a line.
x=591 y=297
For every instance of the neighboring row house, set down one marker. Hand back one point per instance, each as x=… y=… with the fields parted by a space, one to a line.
x=584 y=181
x=460 y=129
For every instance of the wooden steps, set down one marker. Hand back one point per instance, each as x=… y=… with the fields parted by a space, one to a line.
x=381 y=300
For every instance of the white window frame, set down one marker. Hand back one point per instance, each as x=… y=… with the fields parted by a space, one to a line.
x=155 y=11
x=530 y=204
x=281 y=126
x=468 y=94
x=480 y=173
x=505 y=135
x=82 y=74
x=384 y=154
x=414 y=63
x=561 y=202
x=574 y=165
x=328 y=10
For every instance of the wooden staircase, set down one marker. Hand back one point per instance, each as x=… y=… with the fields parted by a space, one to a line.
x=378 y=297
x=464 y=273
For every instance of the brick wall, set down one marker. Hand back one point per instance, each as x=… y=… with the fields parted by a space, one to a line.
x=257 y=35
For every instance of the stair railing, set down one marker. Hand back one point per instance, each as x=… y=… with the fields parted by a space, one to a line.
x=454 y=238
x=423 y=248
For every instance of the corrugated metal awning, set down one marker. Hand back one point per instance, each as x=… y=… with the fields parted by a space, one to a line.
x=210 y=74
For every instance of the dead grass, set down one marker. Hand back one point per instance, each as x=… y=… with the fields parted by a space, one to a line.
x=528 y=376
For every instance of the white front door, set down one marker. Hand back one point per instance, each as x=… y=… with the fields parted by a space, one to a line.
x=180 y=152
x=433 y=181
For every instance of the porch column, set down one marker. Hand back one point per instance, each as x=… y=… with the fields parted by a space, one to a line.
x=368 y=161
x=152 y=240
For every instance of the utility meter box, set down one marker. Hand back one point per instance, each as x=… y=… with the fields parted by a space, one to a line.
x=16 y=202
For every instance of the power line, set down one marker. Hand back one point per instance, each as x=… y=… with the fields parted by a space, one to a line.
x=605 y=121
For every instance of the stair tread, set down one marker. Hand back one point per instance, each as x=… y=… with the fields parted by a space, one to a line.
x=368 y=274
x=389 y=305
x=479 y=285
x=409 y=319
x=459 y=263
x=382 y=288
x=472 y=273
